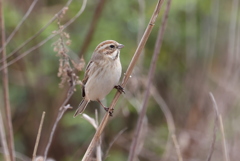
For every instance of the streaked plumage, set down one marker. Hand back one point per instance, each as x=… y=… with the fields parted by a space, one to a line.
x=102 y=73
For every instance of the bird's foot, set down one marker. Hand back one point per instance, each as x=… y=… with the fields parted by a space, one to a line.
x=120 y=89
x=109 y=111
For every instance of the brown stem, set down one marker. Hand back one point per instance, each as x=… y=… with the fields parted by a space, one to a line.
x=62 y=110
x=38 y=137
x=3 y=140
x=93 y=25
x=9 y=129
x=224 y=143
x=125 y=79
x=156 y=53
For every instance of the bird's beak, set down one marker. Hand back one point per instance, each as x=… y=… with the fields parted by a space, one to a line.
x=120 y=46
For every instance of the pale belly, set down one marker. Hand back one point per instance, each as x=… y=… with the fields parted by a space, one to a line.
x=100 y=84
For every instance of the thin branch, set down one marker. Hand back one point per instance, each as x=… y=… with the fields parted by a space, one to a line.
x=99 y=148
x=90 y=120
x=38 y=137
x=65 y=72
x=114 y=140
x=93 y=25
x=177 y=147
x=5 y=81
x=39 y=32
x=214 y=135
x=94 y=123
x=169 y=118
x=125 y=80
x=19 y=24
x=47 y=39
x=62 y=110
x=225 y=150
x=3 y=140
x=132 y=153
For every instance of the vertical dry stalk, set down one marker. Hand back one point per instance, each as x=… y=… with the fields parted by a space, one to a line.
x=132 y=154
x=213 y=138
x=6 y=89
x=38 y=137
x=170 y=121
x=113 y=141
x=62 y=110
x=176 y=145
x=93 y=25
x=125 y=79
x=225 y=150
x=3 y=140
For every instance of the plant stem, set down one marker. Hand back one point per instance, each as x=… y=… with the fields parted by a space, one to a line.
x=9 y=129
x=132 y=154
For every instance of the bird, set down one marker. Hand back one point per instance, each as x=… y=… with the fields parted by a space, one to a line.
x=102 y=74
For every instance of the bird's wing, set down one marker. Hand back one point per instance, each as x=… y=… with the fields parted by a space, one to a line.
x=89 y=69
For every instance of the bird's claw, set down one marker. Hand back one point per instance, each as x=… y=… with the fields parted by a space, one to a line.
x=110 y=111
x=120 y=89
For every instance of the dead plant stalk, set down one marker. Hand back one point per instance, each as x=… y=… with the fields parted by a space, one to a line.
x=9 y=130
x=38 y=137
x=224 y=143
x=128 y=73
x=158 y=44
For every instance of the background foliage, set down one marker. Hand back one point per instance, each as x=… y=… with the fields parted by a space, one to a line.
x=200 y=54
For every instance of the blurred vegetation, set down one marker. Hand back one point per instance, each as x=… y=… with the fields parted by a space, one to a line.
x=200 y=54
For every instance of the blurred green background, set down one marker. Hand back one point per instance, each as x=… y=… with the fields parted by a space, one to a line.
x=200 y=54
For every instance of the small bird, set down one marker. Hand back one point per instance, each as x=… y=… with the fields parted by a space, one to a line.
x=102 y=74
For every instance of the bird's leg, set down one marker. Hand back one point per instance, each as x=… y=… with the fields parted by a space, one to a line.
x=120 y=89
x=106 y=108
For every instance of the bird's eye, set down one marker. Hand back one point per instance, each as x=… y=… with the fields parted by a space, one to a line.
x=112 y=46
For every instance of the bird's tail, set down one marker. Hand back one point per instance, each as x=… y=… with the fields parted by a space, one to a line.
x=81 y=107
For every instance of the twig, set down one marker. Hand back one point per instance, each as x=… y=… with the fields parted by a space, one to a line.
x=94 y=123
x=213 y=137
x=125 y=80
x=7 y=107
x=62 y=110
x=132 y=153
x=46 y=40
x=90 y=120
x=40 y=31
x=65 y=72
x=114 y=140
x=169 y=118
x=99 y=148
x=19 y=24
x=93 y=25
x=176 y=145
x=38 y=136
x=225 y=150
x=3 y=140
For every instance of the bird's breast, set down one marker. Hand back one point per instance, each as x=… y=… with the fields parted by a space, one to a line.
x=103 y=80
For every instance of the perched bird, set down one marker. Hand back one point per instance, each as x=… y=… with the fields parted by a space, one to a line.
x=102 y=74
